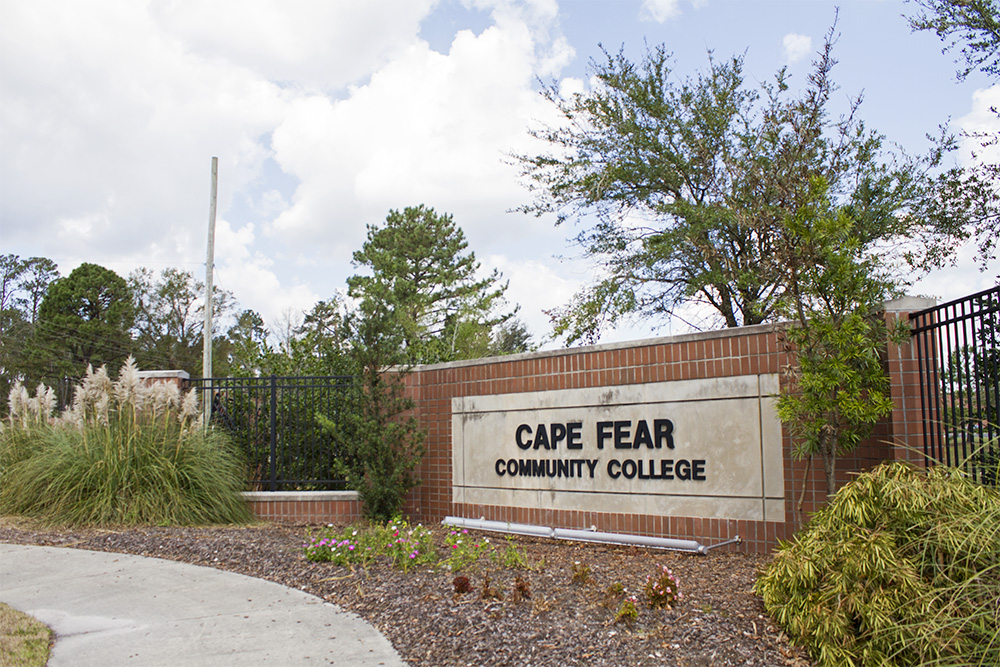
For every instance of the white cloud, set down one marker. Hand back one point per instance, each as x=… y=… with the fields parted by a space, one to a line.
x=981 y=119
x=659 y=11
x=313 y=43
x=796 y=47
x=537 y=286
x=250 y=275
x=427 y=127
x=105 y=115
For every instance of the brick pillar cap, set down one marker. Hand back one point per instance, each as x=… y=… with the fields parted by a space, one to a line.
x=910 y=304
x=156 y=375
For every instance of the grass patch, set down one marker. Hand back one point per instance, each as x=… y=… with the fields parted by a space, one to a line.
x=24 y=641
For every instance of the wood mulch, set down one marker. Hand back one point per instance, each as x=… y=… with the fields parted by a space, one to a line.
x=542 y=617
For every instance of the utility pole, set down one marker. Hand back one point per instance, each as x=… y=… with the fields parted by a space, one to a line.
x=206 y=332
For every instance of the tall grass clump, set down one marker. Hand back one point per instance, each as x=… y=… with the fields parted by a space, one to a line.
x=124 y=453
x=901 y=568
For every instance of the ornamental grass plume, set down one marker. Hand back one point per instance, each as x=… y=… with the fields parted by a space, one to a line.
x=25 y=409
x=124 y=453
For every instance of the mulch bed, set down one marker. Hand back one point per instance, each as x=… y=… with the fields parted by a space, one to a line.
x=556 y=622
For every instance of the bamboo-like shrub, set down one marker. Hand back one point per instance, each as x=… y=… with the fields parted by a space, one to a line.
x=124 y=453
x=901 y=568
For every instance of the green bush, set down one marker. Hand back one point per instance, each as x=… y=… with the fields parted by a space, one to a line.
x=902 y=568
x=123 y=454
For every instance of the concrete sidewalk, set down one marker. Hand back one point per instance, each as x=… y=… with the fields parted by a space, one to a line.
x=113 y=609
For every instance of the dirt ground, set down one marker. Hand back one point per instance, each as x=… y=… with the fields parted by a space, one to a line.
x=543 y=615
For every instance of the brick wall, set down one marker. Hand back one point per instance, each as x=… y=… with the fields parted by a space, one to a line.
x=734 y=352
x=745 y=351
x=305 y=506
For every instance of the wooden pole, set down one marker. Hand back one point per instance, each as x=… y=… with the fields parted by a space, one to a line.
x=206 y=332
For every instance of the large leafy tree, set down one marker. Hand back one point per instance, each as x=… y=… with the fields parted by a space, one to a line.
x=170 y=316
x=23 y=285
x=84 y=318
x=246 y=351
x=680 y=184
x=419 y=264
x=318 y=345
x=836 y=387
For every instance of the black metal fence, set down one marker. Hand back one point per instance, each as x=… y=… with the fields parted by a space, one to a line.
x=274 y=420
x=958 y=344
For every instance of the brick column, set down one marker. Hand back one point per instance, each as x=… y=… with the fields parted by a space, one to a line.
x=180 y=378
x=906 y=428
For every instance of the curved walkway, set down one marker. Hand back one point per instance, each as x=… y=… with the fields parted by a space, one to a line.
x=116 y=609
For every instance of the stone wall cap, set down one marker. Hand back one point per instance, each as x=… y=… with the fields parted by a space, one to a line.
x=909 y=304
x=149 y=375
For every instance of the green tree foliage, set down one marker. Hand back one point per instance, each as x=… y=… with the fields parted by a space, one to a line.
x=511 y=337
x=681 y=185
x=318 y=346
x=14 y=327
x=84 y=319
x=968 y=205
x=246 y=349
x=170 y=316
x=973 y=26
x=901 y=568
x=419 y=263
x=837 y=388
x=23 y=285
x=380 y=444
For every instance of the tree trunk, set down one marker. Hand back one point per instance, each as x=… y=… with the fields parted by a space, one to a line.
x=828 y=447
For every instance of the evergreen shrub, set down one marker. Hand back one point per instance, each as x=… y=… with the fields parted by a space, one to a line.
x=901 y=568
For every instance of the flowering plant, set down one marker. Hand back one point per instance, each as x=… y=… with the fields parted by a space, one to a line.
x=331 y=549
x=663 y=590
x=408 y=545
x=464 y=549
x=404 y=545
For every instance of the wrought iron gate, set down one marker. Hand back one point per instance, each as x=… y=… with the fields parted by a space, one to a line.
x=958 y=345
x=273 y=419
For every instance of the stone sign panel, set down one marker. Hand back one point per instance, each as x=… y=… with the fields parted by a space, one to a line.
x=699 y=448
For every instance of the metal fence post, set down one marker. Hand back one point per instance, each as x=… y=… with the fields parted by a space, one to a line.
x=274 y=433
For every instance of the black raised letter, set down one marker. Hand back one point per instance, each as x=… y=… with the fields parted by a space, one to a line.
x=642 y=436
x=603 y=434
x=622 y=432
x=517 y=437
x=574 y=435
x=542 y=437
x=558 y=433
x=664 y=429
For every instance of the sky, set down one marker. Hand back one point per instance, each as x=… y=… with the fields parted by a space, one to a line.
x=327 y=114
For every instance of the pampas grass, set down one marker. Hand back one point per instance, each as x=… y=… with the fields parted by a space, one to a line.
x=124 y=453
